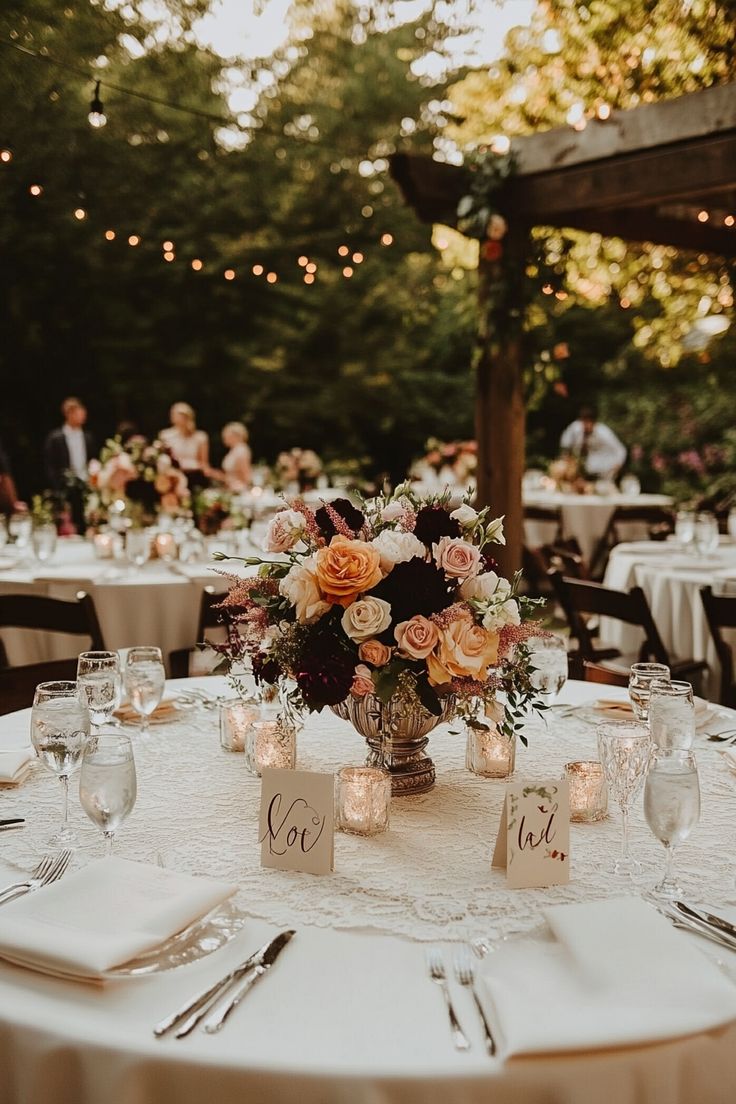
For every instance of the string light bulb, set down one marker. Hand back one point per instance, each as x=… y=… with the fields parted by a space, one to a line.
x=309 y=278
x=6 y=156
x=257 y=270
x=387 y=239
x=343 y=251
x=347 y=271
x=303 y=261
x=168 y=255
x=110 y=235
x=703 y=216
x=311 y=267
x=80 y=214
x=35 y=189
x=167 y=246
x=197 y=264
x=729 y=220
x=97 y=117
x=229 y=273
x=272 y=278
x=357 y=258
x=134 y=240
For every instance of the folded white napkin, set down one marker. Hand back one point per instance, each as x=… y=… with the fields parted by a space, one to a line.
x=103 y=915
x=617 y=974
x=15 y=764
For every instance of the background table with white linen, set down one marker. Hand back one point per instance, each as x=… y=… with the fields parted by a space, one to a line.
x=585 y=516
x=349 y=1014
x=671 y=580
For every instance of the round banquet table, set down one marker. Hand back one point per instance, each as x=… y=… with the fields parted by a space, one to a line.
x=349 y=1017
x=585 y=516
x=671 y=580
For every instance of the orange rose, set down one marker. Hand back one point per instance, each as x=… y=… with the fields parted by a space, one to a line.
x=346 y=568
x=362 y=682
x=374 y=652
x=417 y=637
x=465 y=650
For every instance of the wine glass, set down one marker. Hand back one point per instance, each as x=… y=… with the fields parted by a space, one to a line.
x=671 y=807
x=59 y=733
x=548 y=657
x=685 y=529
x=672 y=714
x=623 y=747
x=98 y=678
x=641 y=677
x=705 y=533
x=144 y=682
x=137 y=546
x=44 y=542
x=107 y=784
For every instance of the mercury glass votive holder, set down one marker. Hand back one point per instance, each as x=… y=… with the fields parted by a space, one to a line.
x=235 y=719
x=165 y=545
x=270 y=742
x=490 y=753
x=362 y=800
x=104 y=545
x=588 y=793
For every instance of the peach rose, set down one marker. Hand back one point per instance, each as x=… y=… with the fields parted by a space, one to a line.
x=284 y=531
x=346 y=568
x=465 y=650
x=300 y=587
x=374 y=652
x=362 y=682
x=456 y=557
x=417 y=638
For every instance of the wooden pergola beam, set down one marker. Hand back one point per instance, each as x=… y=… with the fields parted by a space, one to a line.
x=645 y=225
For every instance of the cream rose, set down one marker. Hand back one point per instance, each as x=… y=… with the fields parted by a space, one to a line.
x=465 y=516
x=416 y=638
x=394 y=547
x=300 y=587
x=486 y=587
x=391 y=512
x=500 y=614
x=456 y=557
x=362 y=682
x=366 y=618
x=284 y=531
x=346 y=568
x=374 y=652
x=465 y=650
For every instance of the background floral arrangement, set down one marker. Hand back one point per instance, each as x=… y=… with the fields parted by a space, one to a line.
x=143 y=475
x=458 y=458
x=215 y=508
x=399 y=597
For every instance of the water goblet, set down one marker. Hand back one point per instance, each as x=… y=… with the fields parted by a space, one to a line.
x=705 y=534
x=59 y=732
x=144 y=682
x=671 y=808
x=137 y=547
x=43 y=541
x=107 y=783
x=685 y=529
x=548 y=657
x=641 y=677
x=98 y=678
x=20 y=527
x=623 y=748
x=672 y=714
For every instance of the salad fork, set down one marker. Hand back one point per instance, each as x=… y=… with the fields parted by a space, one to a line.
x=436 y=969
x=465 y=974
x=51 y=867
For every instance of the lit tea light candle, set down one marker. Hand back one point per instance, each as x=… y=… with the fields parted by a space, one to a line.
x=104 y=545
x=490 y=753
x=235 y=720
x=588 y=796
x=270 y=742
x=363 y=799
x=165 y=545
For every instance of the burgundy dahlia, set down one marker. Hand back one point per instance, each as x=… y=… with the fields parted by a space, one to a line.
x=433 y=523
x=414 y=587
x=353 y=518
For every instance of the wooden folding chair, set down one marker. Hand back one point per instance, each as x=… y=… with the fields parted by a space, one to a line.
x=720 y=613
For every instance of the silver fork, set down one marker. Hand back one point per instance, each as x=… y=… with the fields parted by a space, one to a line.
x=50 y=869
x=465 y=974
x=437 y=972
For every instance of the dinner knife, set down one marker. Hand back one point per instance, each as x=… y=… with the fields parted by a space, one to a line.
x=204 y=999
x=700 y=924
x=12 y=822
x=719 y=922
x=220 y=1013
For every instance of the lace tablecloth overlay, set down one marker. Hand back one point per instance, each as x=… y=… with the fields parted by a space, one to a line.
x=428 y=878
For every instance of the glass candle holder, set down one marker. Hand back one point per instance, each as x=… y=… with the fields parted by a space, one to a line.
x=588 y=793
x=104 y=545
x=270 y=742
x=165 y=545
x=235 y=718
x=362 y=800
x=490 y=753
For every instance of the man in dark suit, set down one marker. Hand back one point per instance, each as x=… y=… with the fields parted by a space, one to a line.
x=67 y=452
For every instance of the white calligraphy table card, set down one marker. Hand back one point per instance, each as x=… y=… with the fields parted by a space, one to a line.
x=297 y=822
x=533 y=843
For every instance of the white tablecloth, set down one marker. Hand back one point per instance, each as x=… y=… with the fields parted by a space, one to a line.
x=585 y=517
x=671 y=581
x=349 y=1016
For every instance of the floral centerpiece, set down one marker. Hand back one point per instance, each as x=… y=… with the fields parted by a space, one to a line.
x=298 y=467
x=456 y=461
x=141 y=475
x=393 y=614
x=216 y=508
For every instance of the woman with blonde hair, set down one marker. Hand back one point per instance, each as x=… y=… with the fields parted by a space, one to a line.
x=236 y=465
x=188 y=445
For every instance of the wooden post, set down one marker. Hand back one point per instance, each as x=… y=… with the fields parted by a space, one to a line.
x=500 y=411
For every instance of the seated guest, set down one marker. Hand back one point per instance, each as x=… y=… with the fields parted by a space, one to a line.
x=188 y=445
x=595 y=445
x=236 y=464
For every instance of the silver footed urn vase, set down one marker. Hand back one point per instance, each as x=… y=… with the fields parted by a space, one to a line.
x=397 y=734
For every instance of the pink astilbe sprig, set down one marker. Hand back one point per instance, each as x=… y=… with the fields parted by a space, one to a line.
x=472 y=688
x=341 y=526
x=240 y=598
x=407 y=520
x=459 y=611
x=312 y=526
x=511 y=635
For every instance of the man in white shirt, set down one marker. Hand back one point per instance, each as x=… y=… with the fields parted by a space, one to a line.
x=595 y=445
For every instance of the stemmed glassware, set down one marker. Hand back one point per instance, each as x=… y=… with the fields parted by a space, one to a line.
x=107 y=784
x=548 y=655
x=641 y=677
x=624 y=748
x=705 y=534
x=672 y=714
x=685 y=529
x=671 y=807
x=99 y=681
x=137 y=547
x=144 y=679
x=59 y=732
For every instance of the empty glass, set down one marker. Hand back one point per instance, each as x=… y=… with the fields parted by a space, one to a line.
x=548 y=656
x=671 y=807
x=641 y=677
x=44 y=542
x=59 y=733
x=685 y=528
x=98 y=678
x=137 y=546
x=672 y=714
x=107 y=784
x=624 y=747
x=705 y=534
x=20 y=527
x=144 y=678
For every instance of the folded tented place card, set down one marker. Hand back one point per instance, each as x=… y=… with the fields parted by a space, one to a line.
x=297 y=822
x=533 y=843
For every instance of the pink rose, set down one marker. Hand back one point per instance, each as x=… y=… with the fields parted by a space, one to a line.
x=374 y=652
x=284 y=531
x=362 y=682
x=416 y=638
x=457 y=558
